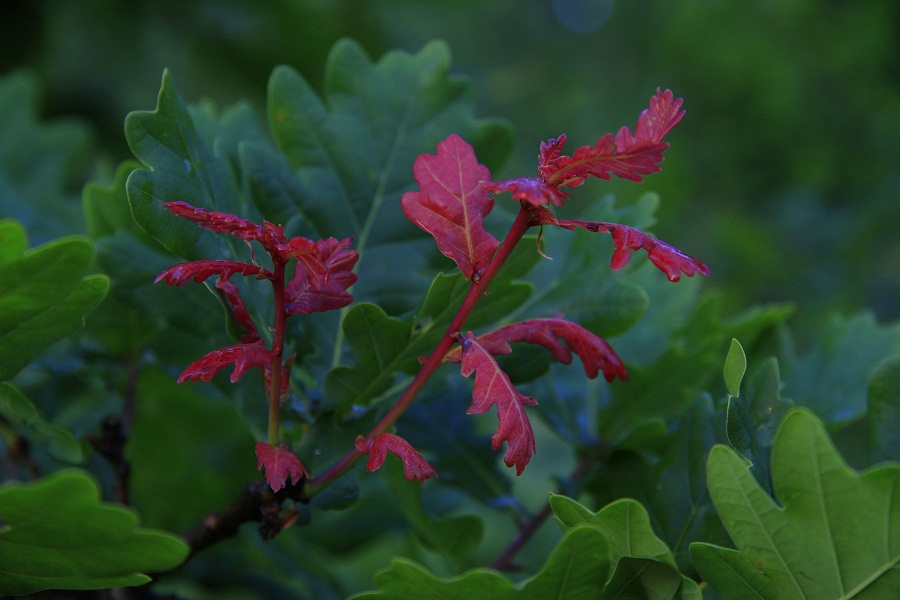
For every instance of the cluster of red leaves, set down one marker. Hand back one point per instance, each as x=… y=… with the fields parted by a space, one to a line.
x=452 y=201
x=322 y=274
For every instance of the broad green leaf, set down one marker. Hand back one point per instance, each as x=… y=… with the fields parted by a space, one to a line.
x=182 y=440
x=41 y=163
x=455 y=537
x=378 y=343
x=643 y=566
x=182 y=166
x=17 y=410
x=829 y=532
x=735 y=367
x=832 y=377
x=625 y=523
x=884 y=411
x=405 y=579
x=576 y=570
x=44 y=296
x=55 y=533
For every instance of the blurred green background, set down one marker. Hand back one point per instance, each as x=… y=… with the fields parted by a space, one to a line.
x=783 y=175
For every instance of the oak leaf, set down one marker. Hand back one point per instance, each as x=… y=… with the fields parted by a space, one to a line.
x=561 y=338
x=492 y=386
x=200 y=270
x=280 y=463
x=452 y=202
x=305 y=297
x=414 y=466
x=243 y=356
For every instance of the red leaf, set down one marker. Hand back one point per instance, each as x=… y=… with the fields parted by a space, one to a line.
x=452 y=202
x=533 y=191
x=305 y=252
x=625 y=155
x=414 y=466
x=269 y=235
x=492 y=386
x=239 y=309
x=304 y=297
x=280 y=463
x=201 y=270
x=595 y=353
x=243 y=356
x=670 y=260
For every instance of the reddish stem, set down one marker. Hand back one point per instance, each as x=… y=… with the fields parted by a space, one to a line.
x=522 y=223
x=275 y=367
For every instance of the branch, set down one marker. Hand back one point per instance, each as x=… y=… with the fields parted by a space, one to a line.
x=257 y=502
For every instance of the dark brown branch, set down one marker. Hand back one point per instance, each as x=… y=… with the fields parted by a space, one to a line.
x=257 y=502
x=110 y=444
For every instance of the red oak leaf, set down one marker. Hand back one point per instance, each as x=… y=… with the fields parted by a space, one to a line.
x=201 y=270
x=239 y=309
x=304 y=297
x=670 y=260
x=305 y=252
x=531 y=190
x=595 y=353
x=269 y=235
x=492 y=386
x=414 y=466
x=243 y=356
x=624 y=155
x=452 y=202
x=280 y=463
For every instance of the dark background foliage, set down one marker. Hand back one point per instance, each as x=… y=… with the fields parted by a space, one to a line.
x=785 y=175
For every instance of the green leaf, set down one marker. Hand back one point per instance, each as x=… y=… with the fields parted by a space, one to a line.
x=831 y=378
x=378 y=343
x=17 y=410
x=405 y=579
x=835 y=534
x=735 y=367
x=884 y=410
x=55 y=533
x=181 y=440
x=643 y=566
x=40 y=163
x=578 y=568
x=183 y=166
x=455 y=537
x=45 y=295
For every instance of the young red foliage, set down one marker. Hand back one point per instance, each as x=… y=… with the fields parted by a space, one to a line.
x=670 y=260
x=625 y=155
x=239 y=309
x=269 y=235
x=304 y=297
x=200 y=270
x=561 y=338
x=243 y=356
x=492 y=386
x=451 y=203
x=414 y=466
x=280 y=463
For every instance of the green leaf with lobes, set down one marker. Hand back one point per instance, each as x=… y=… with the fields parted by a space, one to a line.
x=828 y=532
x=595 y=353
x=451 y=204
x=55 y=533
x=492 y=386
x=280 y=463
x=414 y=466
